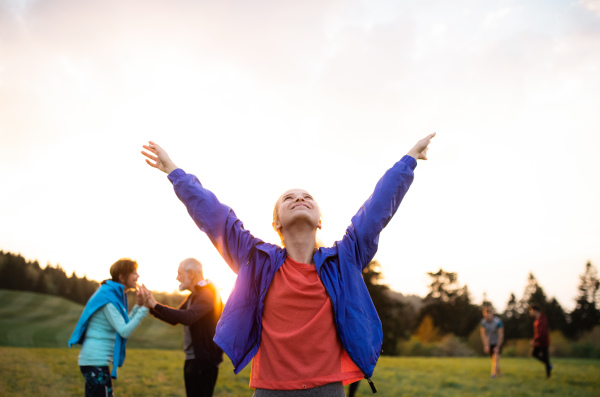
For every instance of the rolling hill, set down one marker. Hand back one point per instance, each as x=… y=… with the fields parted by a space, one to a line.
x=29 y=319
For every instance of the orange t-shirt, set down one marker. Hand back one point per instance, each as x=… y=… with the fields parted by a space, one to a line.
x=299 y=347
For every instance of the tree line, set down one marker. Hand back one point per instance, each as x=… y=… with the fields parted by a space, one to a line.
x=449 y=310
x=17 y=273
x=446 y=310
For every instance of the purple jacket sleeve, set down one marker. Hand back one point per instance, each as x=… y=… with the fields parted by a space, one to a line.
x=217 y=220
x=362 y=236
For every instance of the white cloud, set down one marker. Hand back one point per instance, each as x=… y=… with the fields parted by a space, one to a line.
x=495 y=18
x=232 y=82
x=591 y=5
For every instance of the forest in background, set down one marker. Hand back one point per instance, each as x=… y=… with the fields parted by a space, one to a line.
x=443 y=323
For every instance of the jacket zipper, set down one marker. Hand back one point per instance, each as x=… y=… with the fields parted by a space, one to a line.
x=371 y=384
x=259 y=298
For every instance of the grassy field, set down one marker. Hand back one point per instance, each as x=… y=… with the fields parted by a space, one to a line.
x=28 y=319
x=54 y=372
x=34 y=329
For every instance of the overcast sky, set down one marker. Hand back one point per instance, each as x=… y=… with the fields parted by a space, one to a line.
x=256 y=97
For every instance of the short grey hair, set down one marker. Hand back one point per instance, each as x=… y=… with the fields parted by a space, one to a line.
x=192 y=265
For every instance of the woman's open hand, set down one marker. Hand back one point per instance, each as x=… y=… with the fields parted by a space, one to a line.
x=419 y=151
x=158 y=158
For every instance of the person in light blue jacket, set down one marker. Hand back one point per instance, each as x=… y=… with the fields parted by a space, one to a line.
x=242 y=330
x=104 y=327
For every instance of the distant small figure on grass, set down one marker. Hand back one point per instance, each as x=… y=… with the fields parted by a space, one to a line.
x=492 y=336
x=199 y=315
x=104 y=327
x=541 y=338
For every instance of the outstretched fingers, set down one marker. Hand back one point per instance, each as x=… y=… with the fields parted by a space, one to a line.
x=419 y=151
x=150 y=156
x=154 y=162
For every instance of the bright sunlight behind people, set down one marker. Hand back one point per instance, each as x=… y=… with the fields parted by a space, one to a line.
x=325 y=94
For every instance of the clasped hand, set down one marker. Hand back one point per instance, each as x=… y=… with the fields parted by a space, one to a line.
x=145 y=297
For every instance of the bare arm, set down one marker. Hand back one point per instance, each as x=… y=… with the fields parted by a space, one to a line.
x=419 y=151
x=484 y=340
x=500 y=336
x=158 y=158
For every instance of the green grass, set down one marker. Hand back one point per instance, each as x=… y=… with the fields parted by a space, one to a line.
x=28 y=319
x=464 y=377
x=35 y=329
x=54 y=372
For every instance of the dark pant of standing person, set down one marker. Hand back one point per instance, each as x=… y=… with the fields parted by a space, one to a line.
x=541 y=353
x=97 y=381
x=352 y=389
x=199 y=382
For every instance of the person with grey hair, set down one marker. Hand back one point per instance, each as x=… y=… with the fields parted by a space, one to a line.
x=198 y=314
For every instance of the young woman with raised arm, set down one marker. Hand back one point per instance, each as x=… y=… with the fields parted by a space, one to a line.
x=300 y=313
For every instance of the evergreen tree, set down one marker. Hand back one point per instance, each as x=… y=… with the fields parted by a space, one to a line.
x=557 y=318
x=14 y=273
x=586 y=314
x=41 y=284
x=517 y=323
x=17 y=273
x=388 y=309
x=75 y=291
x=449 y=305
x=534 y=294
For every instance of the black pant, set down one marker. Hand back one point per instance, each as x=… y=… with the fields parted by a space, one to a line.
x=199 y=382
x=97 y=381
x=541 y=353
x=353 y=388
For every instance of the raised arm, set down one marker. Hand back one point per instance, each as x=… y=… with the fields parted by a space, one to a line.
x=158 y=158
x=217 y=220
x=362 y=236
x=419 y=151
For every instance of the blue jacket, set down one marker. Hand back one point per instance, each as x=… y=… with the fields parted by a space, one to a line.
x=108 y=292
x=339 y=267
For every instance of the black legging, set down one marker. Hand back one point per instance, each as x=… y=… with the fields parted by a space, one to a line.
x=352 y=389
x=199 y=382
x=97 y=381
x=541 y=353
